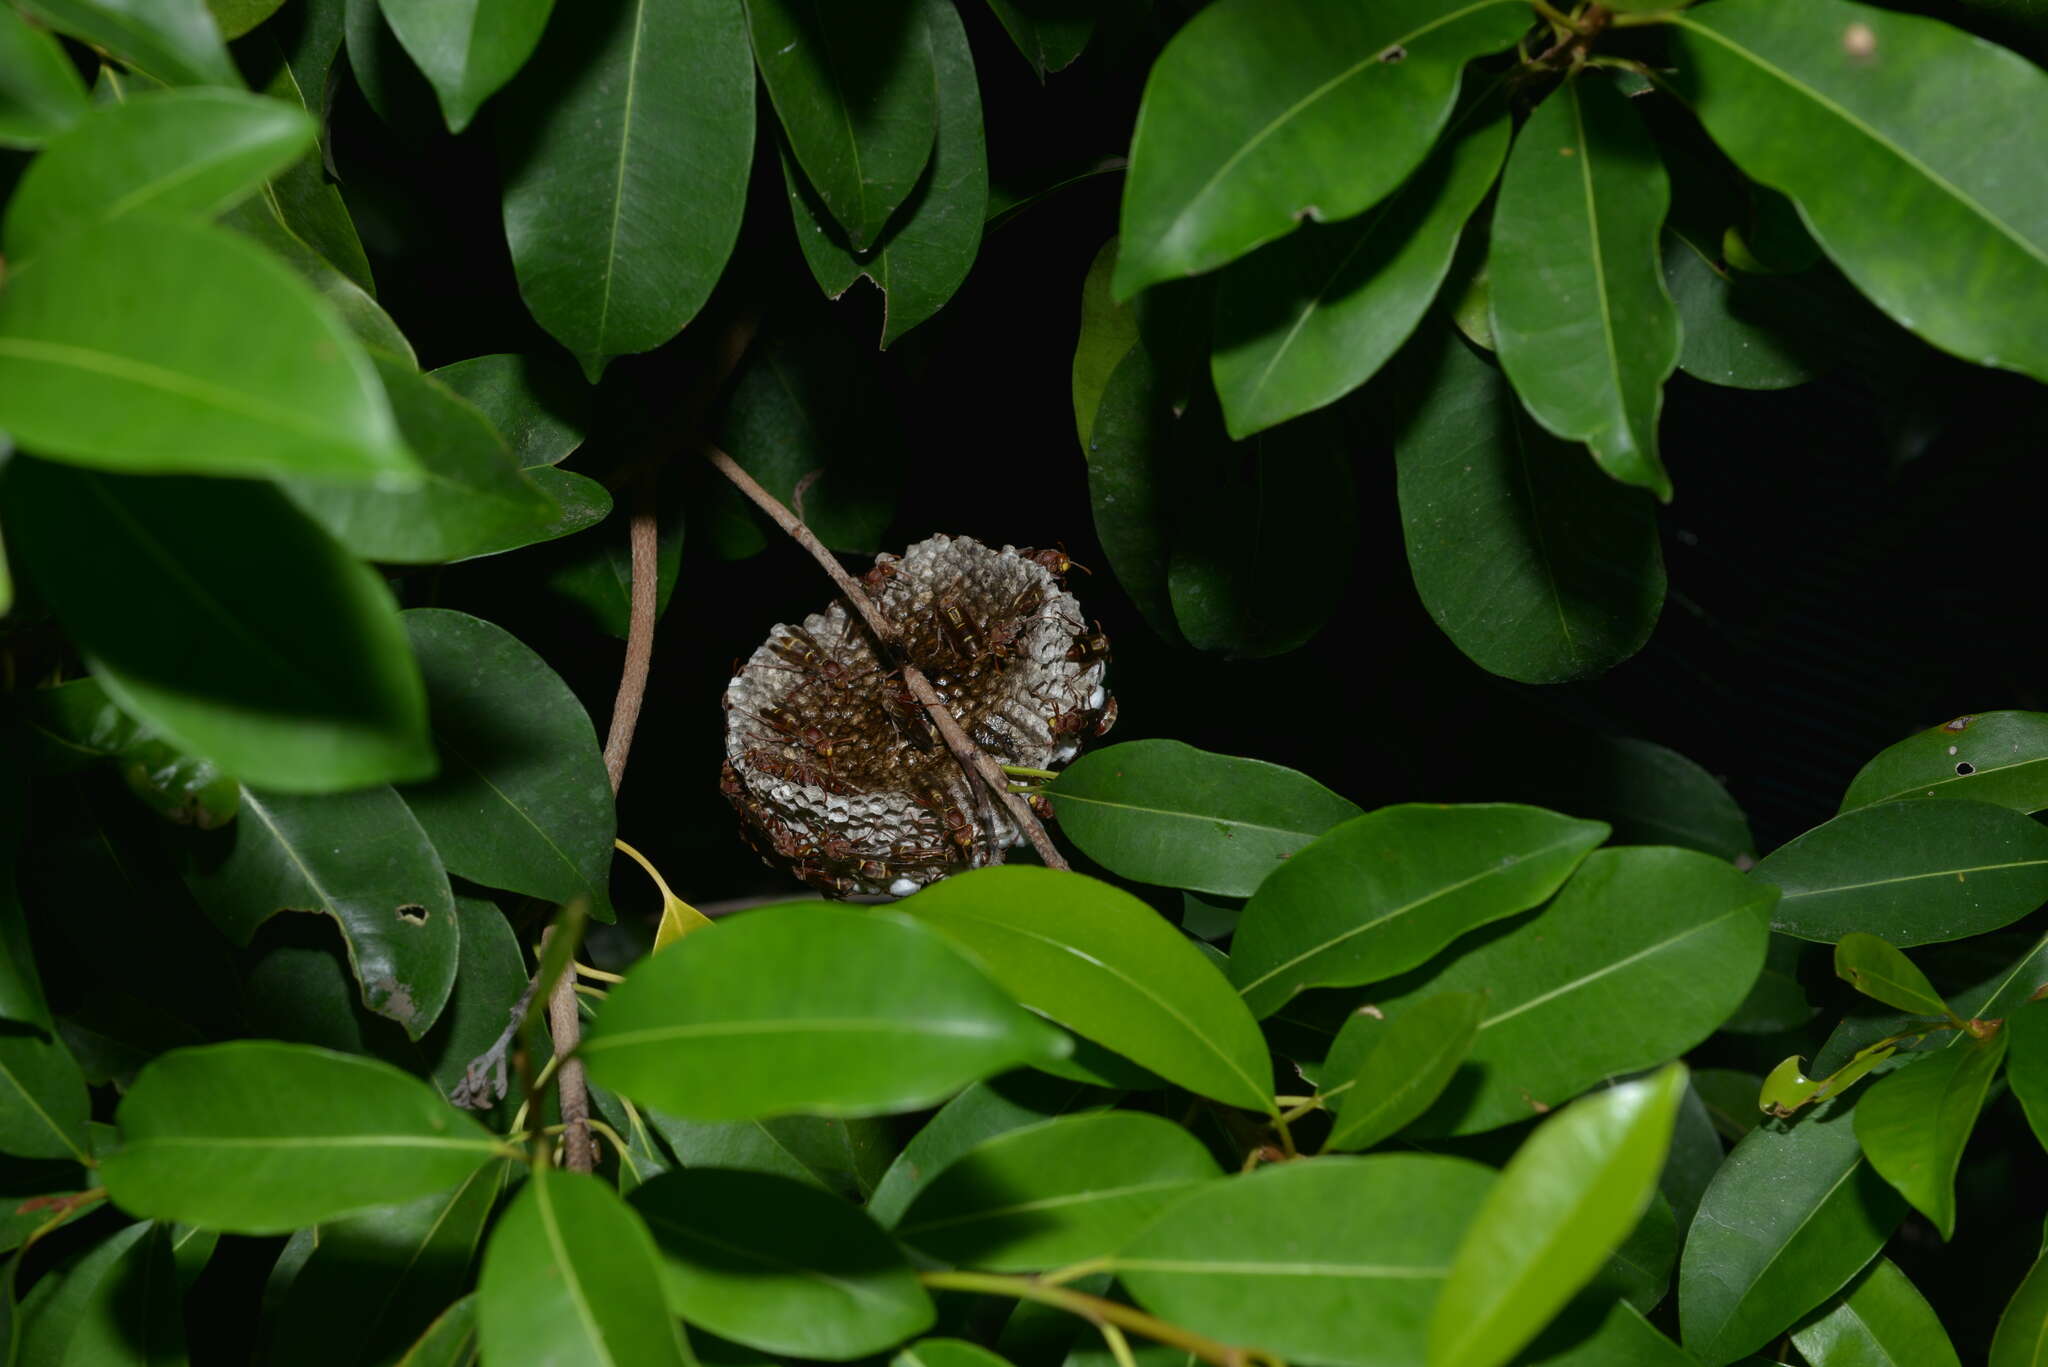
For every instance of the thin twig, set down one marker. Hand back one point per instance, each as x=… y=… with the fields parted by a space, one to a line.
x=983 y=773
x=1099 y=1310
x=646 y=543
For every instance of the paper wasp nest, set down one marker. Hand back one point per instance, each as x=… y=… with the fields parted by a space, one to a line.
x=835 y=770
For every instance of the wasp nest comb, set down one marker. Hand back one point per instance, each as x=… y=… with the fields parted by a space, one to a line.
x=837 y=772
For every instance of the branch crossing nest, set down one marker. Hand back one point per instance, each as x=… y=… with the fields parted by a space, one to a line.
x=835 y=770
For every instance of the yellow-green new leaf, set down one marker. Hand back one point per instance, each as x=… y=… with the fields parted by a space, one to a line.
x=41 y=94
x=1879 y=971
x=175 y=41
x=1915 y=1122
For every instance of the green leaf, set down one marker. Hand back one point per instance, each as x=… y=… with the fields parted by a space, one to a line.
x=1729 y=1097
x=296 y=677
x=1880 y=1318
x=1736 y=330
x=1050 y=33
x=1793 y=1214
x=522 y=801
x=1622 y=1338
x=237 y=17
x=261 y=218
x=1581 y=318
x=844 y=1157
x=1667 y=940
x=357 y=857
x=1877 y=970
x=76 y=723
x=1313 y=1251
x=377 y=1280
x=626 y=152
x=1564 y=1202
x=1914 y=872
x=1639 y=1270
x=2022 y=1337
x=572 y=1275
x=1162 y=812
x=2026 y=1070
x=490 y=977
x=467 y=50
x=780 y=1266
x=856 y=94
x=475 y=501
x=1914 y=1123
x=43 y=1105
x=1264 y=534
x=1891 y=133
x=925 y=252
x=1303 y=322
x=148 y=344
x=807 y=1007
x=1105 y=965
x=1384 y=892
x=1649 y=794
x=1777 y=1002
x=982 y=1112
x=176 y=41
x=1536 y=565
x=258 y=1137
x=1130 y=474
x=1382 y=1075
x=450 y=1341
x=1108 y=332
x=119 y=1303
x=540 y=406
x=183 y=153
x=1074 y=1188
x=1250 y=119
x=1995 y=757
x=41 y=94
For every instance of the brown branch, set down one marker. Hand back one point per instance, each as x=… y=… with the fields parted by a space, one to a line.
x=983 y=773
x=646 y=596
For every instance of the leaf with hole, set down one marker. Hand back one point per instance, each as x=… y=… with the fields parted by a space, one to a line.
x=1162 y=812
x=1914 y=872
x=1537 y=566
x=780 y=1266
x=1106 y=966
x=1995 y=757
x=810 y=1008
x=1381 y=893
x=259 y=1137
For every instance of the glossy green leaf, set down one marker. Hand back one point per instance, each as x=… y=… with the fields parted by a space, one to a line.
x=187 y=153
x=1105 y=965
x=304 y=199
x=1891 y=133
x=119 y=1303
x=1381 y=1075
x=360 y=858
x=984 y=1111
x=378 y=1279
x=1793 y=1214
x=540 y=406
x=43 y=1105
x=467 y=50
x=1313 y=1251
x=77 y=723
x=522 y=801
x=845 y=1157
x=1639 y=1270
x=1069 y=1189
x=450 y=1341
x=296 y=678
x=1162 y=812
x=1667 y=940
x=812 y=1008
x=1650 y=794
x=262 y=218
x=1564 y=1202
x=176 y=41
x=1050 y=33
x=1914 y=1123
x=1879 y=1320
x=1130 y=474
x=1914 y=872
x=2026 y=1069
x=2022 y=1336
x=1383 y=892
x=1877 y=970
x=1738 y=331
x=1108 y=332
x=925 y=252
x=1621 y=1338
x=1581 y=318
x=1729 y=1096
x=490 y=977
x=780 y=1266
x=1303 y=322
x=149 y=344
x=1777 y=1002
x=1250 y=119
x=259 y=1137
x=626 y=153
x=237 y=17
x=1264 y=534
x=41 y=94
x=857 y=98
x=1535 y=564
x=475 y=499
x=22 y=1001
x=1995 y=757
x=572 y=1275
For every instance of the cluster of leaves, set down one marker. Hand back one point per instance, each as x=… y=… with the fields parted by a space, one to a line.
x=836 y=1133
